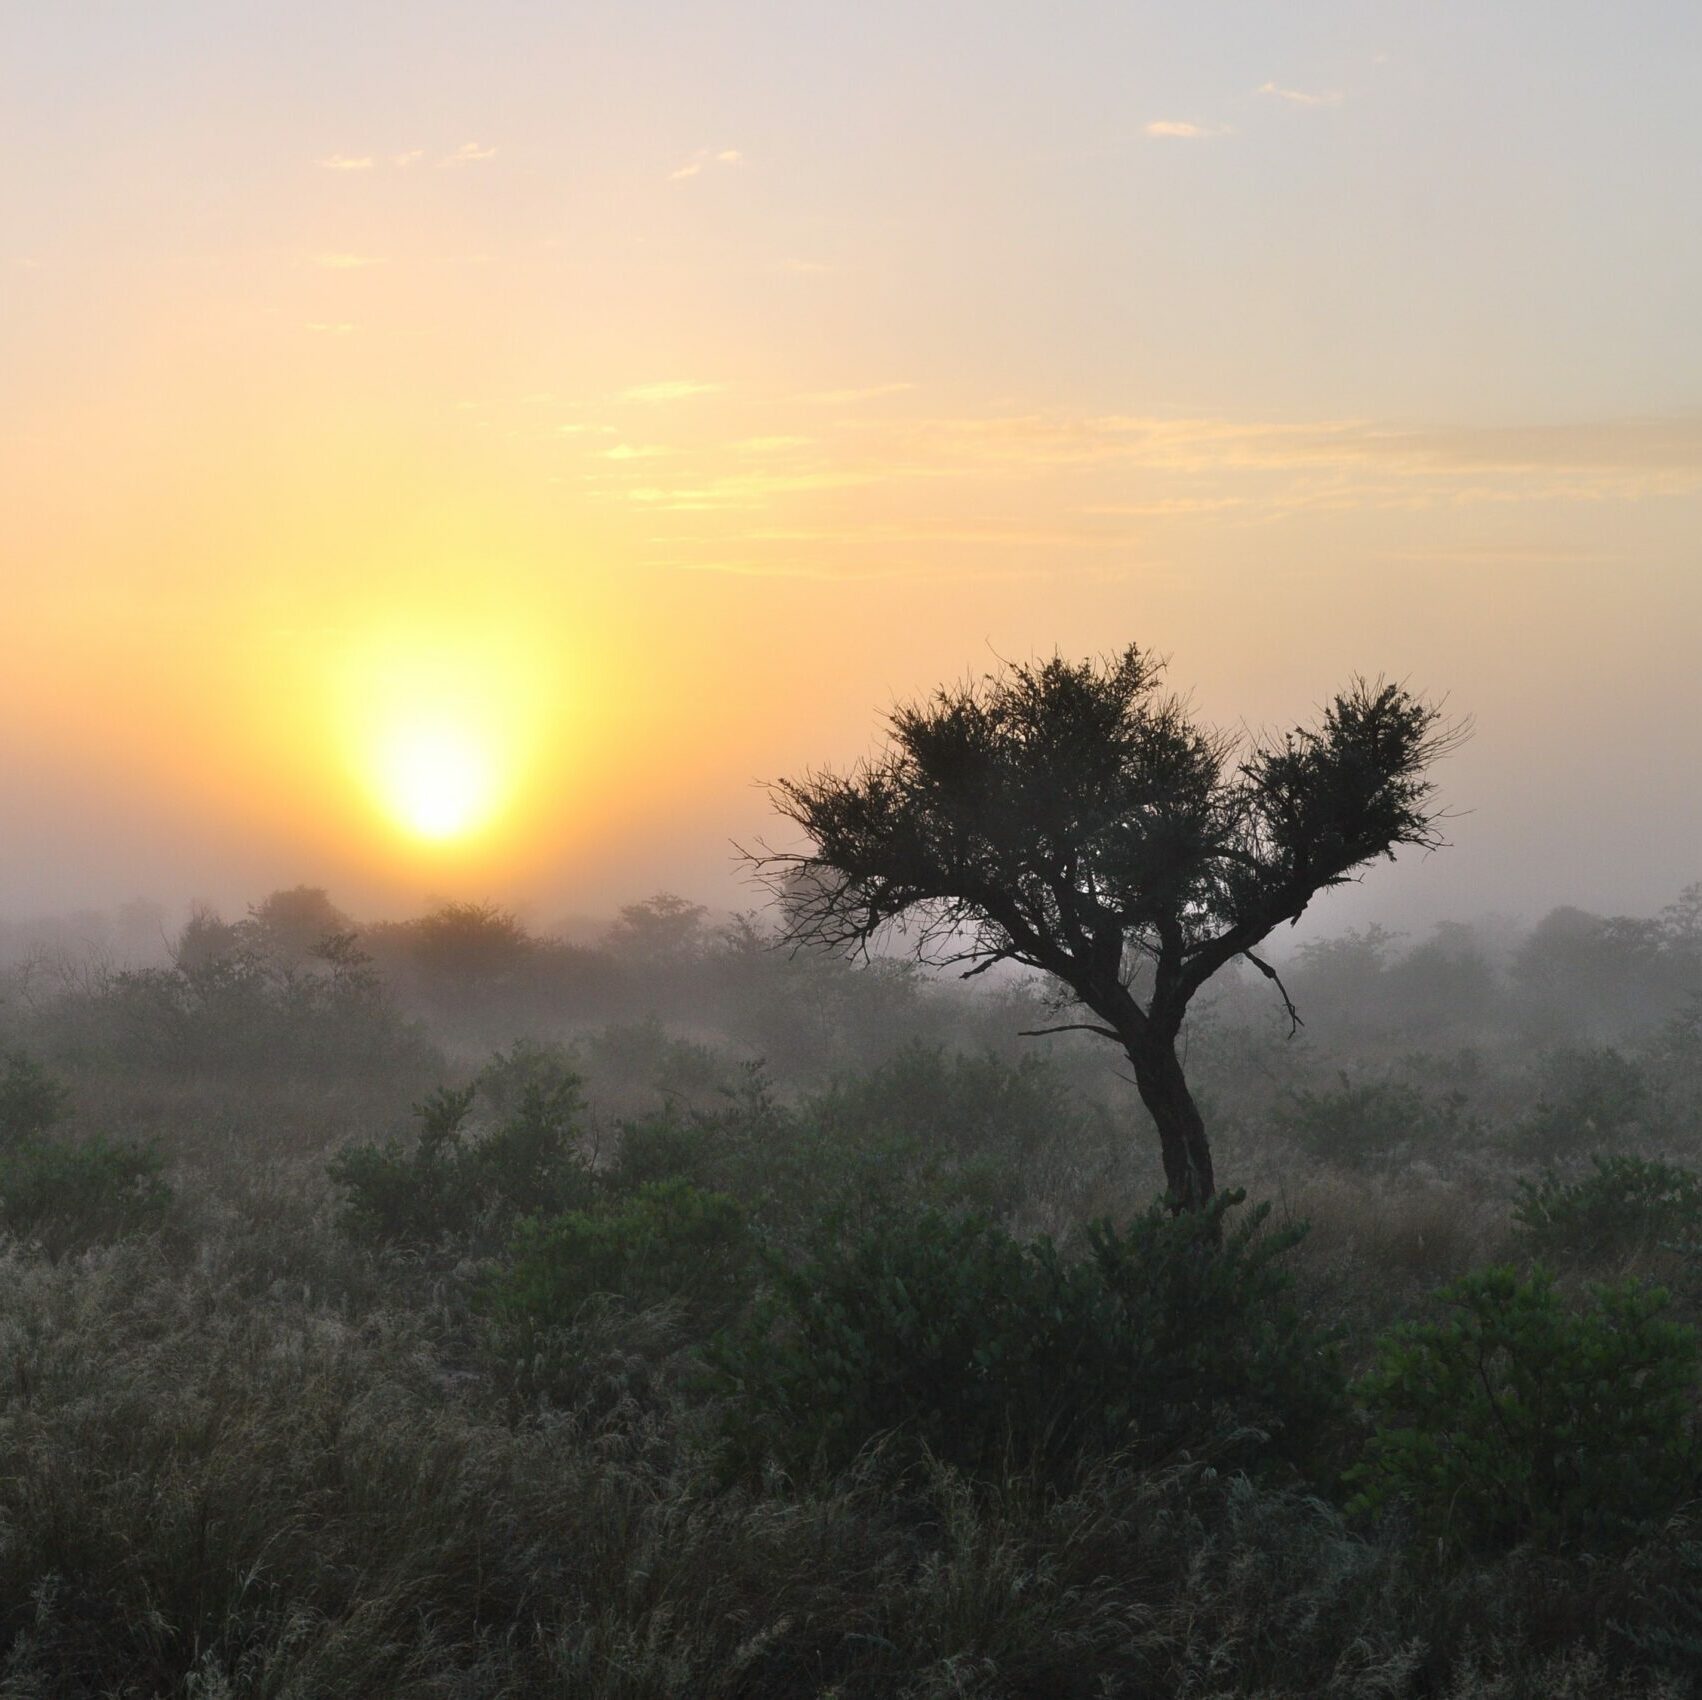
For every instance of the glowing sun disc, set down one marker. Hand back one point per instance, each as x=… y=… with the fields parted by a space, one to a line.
x=438 y=780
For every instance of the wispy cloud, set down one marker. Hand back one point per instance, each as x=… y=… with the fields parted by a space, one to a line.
x=703 y=159
x=1180 y=129
x=341 y=327
x=672 y=389
x=629 y=451
x=412 y=156
x=346 y=162
x=1300 y=97
x=347 y=262
x=469 y=153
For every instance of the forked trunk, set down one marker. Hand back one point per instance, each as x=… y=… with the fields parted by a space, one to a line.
x=1181 y=1131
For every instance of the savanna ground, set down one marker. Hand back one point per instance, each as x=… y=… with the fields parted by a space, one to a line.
x=434 y=1309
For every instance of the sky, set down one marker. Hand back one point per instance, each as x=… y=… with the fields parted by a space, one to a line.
x=453 y=450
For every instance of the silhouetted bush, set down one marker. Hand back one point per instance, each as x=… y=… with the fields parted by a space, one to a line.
x=990 y=1351
x=1521 y=1417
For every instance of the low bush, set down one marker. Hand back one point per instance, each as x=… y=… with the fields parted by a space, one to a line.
x=989 y=1351
x=449 y=1184
x=1623 y=1206
x=1589 y=1098
x=31 y=1099
x=668 y=1241
x=1520 y=1417
x=65 y=1196
x=1362 y=1124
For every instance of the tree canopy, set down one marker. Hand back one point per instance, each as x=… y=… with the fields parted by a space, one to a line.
x=1076 y=818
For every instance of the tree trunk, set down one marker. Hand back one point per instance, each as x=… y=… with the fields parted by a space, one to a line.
x=1181 y=1131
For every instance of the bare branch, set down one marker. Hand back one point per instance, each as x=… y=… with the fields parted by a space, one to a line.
x=1071 y=1027
x=1294 y=1021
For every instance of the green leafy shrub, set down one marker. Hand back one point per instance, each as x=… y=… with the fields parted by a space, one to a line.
x=449 y=1184
x=64 y=1196
x=31 y=1100
x=669 y=1240
x=1589 y=1097
x=1521 y=1418
x=992 y=1351
x=1624 y=1205
x=669 y=1147
x=1360 y=1124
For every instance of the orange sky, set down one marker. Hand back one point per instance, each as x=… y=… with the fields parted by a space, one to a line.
x=639 y=400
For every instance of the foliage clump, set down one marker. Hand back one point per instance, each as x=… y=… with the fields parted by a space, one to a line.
x=1625 y=1205
x=62 y=1194
x=455 y=1181
x=1521 y=1417
x=1364 y=1124
x=987 y=1350
x=669 y=1242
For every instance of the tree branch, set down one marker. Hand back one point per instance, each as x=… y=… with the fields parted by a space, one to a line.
x=1294 y=1021
x=1071 y=1027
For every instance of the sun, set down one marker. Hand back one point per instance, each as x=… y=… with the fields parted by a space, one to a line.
x=438 y=779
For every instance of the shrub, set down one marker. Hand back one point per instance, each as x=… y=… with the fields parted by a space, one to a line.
x=669 y=1241
x=1589 y=1097
x=31 y=1100
x=667 y=1147
x=1520 y=1418
x=1361 y=1124
x=449 y=1185
x=65 y=1196
x=988 y=1350
x=1625 y=1205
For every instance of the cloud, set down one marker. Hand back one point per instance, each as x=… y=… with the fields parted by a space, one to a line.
x=341 y=328
x=345 y=162
x=626 y=451
x=467 y=154
x=1299 y=97
x=411 y=157
x=347 y=262
x=705 y=157
x=1181 y=129
x=673 y=389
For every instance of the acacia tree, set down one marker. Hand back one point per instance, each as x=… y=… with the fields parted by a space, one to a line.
x=1074 y=818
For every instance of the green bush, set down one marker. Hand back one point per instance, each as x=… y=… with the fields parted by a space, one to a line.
x=668 y=1147
x=1625 y=1205
x=31 y=1100
x=1360 y=1124
x=669 y=1241
x=990 y=1351
x=65 y=1196
x=1589 y=1097
x=1521 y=1418
x=449 y=1185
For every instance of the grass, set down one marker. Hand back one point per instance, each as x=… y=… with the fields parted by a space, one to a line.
x=244 y=1453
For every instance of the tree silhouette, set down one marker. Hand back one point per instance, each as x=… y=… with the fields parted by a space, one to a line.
x=1073 y=818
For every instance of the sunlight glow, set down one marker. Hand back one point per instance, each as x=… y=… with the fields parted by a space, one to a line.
x=437 y=779
x=441 y=730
